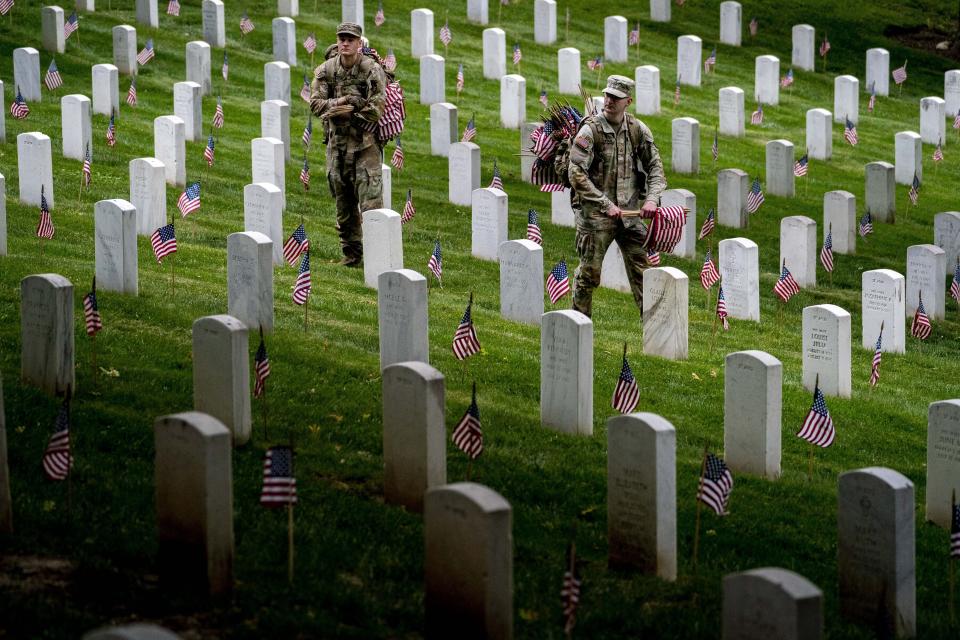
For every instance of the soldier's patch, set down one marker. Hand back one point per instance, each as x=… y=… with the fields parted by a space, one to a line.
x=583 y=142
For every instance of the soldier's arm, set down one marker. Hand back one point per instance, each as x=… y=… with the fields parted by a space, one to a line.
x=371 y=109
x=653 y=165
x=320 y=102
x=581 y=157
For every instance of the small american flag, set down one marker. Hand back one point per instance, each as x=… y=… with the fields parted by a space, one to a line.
x=955 y=533
x=709 y=275
x=533 y=227
x=305 y=174
x=71 y=25
x=132 y=92
x=708 y=224
x=435 y=263
x=467 y=435
x=921 y=322
x=818 y=425
x=570 y=592
x=754 y=25
x=517 y=54
x=460 y=78
x=715 y=148
x=390 y=62
x=787 y=80
x=87 y=169
x=470 y=132
x=626 y=395
x=279 y=485
x=296 y=244
x=915 y=190
x=91 y=312
x=408 y=209
x=653 y=258
x=801 y=165
x=676 y=93
x=164 y=242
x=208 y=151
x=754 y=197
x=5 y=6
x=307 y=136
x=173 y=8
x=558 y=282
x=955 y=284
x=112 y=131
x=715 y=485
x=379 y=18
x=245 y=25
x=45 y=225
x=722 y=309
x=956 y=121
x=544 y=98
x=218 y=115
x=465 y=343
x=19 y=108
x=445 y=35
x=189 y=200
x=146 y=54
x=872 y=103
x=397 y=159
x=826 y=253
x=711 y=61
x=938 y=152
x=865 y=227
x=824 y=47
x=301 y=289
x=595 y=64
x=850 y=133
x=757 y=116
x=786 y=286
x=497 y=182
x=900 y=73
x=877 y=354
x=310 y=44
x=305 y=89
x=634 y=37
x=57 y=460
x=52 y=79
x=225 y=69
x=261 y=368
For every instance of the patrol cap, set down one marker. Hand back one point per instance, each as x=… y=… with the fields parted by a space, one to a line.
x=350 y=28
x=619 y=86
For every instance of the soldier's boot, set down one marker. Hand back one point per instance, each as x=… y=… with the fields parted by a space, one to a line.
x=352 y=254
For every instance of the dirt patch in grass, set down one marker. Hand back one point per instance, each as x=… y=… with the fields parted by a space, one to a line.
x=927 y=39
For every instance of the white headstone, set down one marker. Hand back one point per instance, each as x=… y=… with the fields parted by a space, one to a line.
x=780 y=161
x=883 y=302
x=819 y=134
x=561 y=212
x=943 y=460
x=382 y=244
x=665 y=313
x=194 y=502
x=568 y=70
x=26 y=73
x=926 y=264
x=148 y=194
x=946 y=235
x=752 y=397
x=478 y=11
x=802 y=56
x=285 y=40
x=3 y=215
x=275 y=123
x=908 y=149
x=288 y=8
x=840 y=219
x=875 y=551
x=51 y=29
x=147 y=13
x=798 y=247
x=421 y=33
x=198 y=65
x=115 y=242
x=685 y=147
x=46 y=333
x=489 y=226
x=846 y=99
x=766 y=80
x=443 y=127
x=615 y=39
x=414 y=432
x=880 y=191
x=463 y=166
x=771 y=603
x=125 y=49
x=613 y=271
x=566 y=372
x=521 y=281
x=731 y=23
x=468 y=562
x=221 y=373
x=687 y=245
x=513 y=101
x=276 y=81
x=432 y=87
x=86 y=5
x=932 y=120
x=188 y=106
x=731 y=112
x=213 y=26
x=689 y=51
x=660 y=10
x=169 y=147
x=267 y=160
x=494 y=53
x=35 y=168
x=642 y=494
x=732 y=188
x=106 y=89
x=250 y=279
x=352 y=11
x=878 y=71
x=951 y=92
x=544 y=21
x=402 y=315
x=76 y=126
x=740 y=273
x=647 y=79
x=826 y=349
x=263 y=213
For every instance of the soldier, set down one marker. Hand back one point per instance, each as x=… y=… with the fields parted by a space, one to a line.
x=614 y=165
x=348 y=94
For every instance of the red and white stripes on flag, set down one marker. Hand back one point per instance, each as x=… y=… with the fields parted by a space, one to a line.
x=709 y=275
x=164 y=242
x=218 y=115
x=91 y=312
x=757 y=116
x=146 y=54
x=279 y=485
x=310 y=44
x=295 y=245
x=921 y=328
x=57 y=459
x=900 y=73
x=301 y=288
x=850 y=133
x=626 y=395
x=826 y=253
x=465 y=343
x=189 y=200
x=52 y=79
x=818 y=425
x=408 y=209
x=132 y=92
x=173 y=8
x=955 y=284
x=558 y=282
x=786 y=286
x=397 y=159
x=875 y=366
x=467 y=435
x=261 y=368
x=45 y=225
x=435 y=263
x=666 y=227
x=716 y=485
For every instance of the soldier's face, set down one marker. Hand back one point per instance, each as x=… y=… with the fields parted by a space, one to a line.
x=348 y=45
x=613 y=107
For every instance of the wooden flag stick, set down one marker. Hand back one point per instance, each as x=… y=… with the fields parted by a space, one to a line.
x=306 y=305
x=696 y=531
x=94 y=358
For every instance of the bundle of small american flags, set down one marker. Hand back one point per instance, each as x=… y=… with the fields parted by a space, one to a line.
x=558 y=282
x=391 y=122
x=818 y=425
x=467 y=435
x=716 y=485
x=465 y=342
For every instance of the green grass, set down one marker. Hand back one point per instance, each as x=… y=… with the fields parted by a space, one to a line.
x=359 y=563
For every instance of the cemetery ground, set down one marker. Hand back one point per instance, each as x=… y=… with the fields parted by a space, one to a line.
x=85 y=554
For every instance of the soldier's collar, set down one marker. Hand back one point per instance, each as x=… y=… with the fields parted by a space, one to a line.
x=609 y=128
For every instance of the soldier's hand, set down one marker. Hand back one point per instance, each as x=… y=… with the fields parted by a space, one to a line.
x=649 y=208
x=613 y=211
x=340 y=110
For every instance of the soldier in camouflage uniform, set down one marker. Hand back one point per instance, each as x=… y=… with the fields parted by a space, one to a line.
x=348 y=94
x=614 y=165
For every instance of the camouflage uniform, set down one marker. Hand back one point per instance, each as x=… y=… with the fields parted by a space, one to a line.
x=353 y=154
x=611 y=171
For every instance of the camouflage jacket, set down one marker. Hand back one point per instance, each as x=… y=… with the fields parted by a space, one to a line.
x=363 y=86
x=612 y=171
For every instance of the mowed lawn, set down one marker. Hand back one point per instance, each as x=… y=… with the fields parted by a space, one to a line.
x=360 y=562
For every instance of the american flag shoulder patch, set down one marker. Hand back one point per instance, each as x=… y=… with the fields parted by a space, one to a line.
x=583 y=142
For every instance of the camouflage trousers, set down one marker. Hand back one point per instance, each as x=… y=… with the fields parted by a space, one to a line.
x=356 y=184
x=592 y=245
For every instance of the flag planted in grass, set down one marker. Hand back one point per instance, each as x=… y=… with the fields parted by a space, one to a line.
x=310 y=44
x=850 y=133
x=517 y=54
x=709 y=275
x=408 y=209
x=146 y=54
x=87 y=168
x=921 y=328
x=189 y=200
x=379 y=18
x=826 y=252
x=558 y=282
x=71 y=25
x=307 y=136
x=877 y=356
x=279 y=485
x=955 y=284
x=435 y=263
x=295 y=245
x=91 y=312
x=470 y=132
x=52 y=78
x=755 y=196
x=132 y=92
x=18 y=108
x=397 y=159
x=716 y=485
x=465 y=342
x=246 y=26
x=305 y=89
x=818 y=425
x=757 y=116
x=225 y=68
x=467 y=435
x=938 y=152
x=446 y=36
x=460 y=78
x=722 y=309
x=173 y=8
x=787 y=80
x=496 y=182
x=261 y=368
x=626 y=395
x=301 y=288
x=715 y=148
x=57 y=459
x=533 y=227
x=164 y=242
x=865 y=227
x=872 y=103
x=5 y=6
x=955 y=533
x=45 y=225
x=900 y=73
x=711 y=61
x=208 y=151
x=914 y=193
x=218 y=115
x=824 y=47
x=708 y=224
x=570 y=591
x=112 y=131
x=305 y=174
x=786 y=286
x=801 y=165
